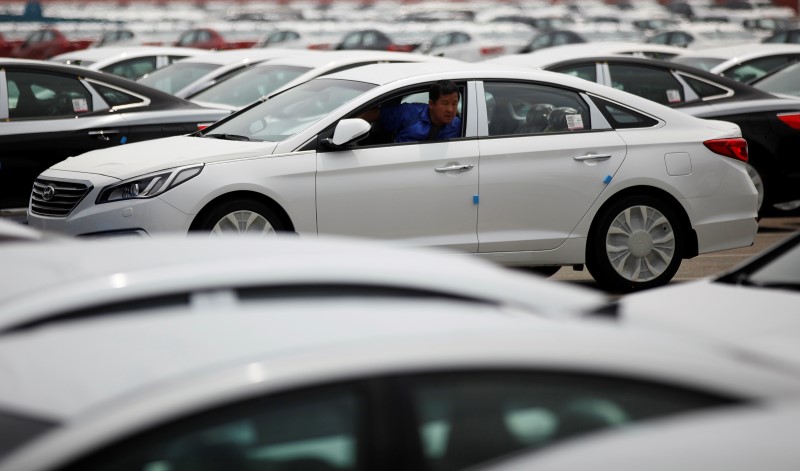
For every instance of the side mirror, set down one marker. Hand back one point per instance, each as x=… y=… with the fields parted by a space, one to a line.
x=348 y=131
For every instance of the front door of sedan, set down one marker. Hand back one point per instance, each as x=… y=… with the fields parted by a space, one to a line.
x=545 y=159
x=47 y=118
x=423 y=193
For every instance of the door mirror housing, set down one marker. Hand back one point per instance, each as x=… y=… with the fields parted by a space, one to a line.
x=348 y=132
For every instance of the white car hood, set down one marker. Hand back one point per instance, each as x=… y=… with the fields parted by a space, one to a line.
x=136 y=159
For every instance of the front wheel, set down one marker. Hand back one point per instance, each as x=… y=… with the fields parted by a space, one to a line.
x=637 y=244
x=240 y=216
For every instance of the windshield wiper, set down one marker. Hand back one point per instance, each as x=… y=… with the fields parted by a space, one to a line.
x=230 y=137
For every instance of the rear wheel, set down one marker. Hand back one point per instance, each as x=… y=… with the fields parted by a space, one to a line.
x=758 y=180
x=637 y=244
x=241 y=216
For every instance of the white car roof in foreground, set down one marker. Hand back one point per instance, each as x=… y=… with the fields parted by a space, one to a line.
x=67 y=276
x=338 y=58
x=740 y=438
x=106 y=376
x=105 y=54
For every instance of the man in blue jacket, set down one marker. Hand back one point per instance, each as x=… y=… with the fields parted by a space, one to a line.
x=413 y=122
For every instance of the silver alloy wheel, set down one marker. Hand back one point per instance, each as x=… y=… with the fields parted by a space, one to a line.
x=640 y=243
x=758 y=182
x=243 y=222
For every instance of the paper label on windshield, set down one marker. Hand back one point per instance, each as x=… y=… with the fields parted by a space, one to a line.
x=574 y=121
x=673 y=96
x=79 y=105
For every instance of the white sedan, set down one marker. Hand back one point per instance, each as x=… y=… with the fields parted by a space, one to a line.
x=130 y=62
x=341 y=383
x=622 y=184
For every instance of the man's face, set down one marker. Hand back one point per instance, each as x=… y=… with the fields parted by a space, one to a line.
x=444 y=109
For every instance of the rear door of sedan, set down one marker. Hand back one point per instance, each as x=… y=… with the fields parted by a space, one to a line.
x=546 y=155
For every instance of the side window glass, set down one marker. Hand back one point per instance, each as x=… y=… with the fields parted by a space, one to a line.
x=410 y=118
x=654 y=84
x=533 y=109
x=705 y=90
x=116 y=97
x=754 y=69
x=584 y=71
x=471 y=418
x=133 y=68
x=303 y=430
x=33 y=95
x=621 y=117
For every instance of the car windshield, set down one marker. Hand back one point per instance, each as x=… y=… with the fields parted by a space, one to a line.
x=704 y=63
x=288 y=113
x=250 y=85
x=176 y=76
x=17 y=429
x=786 y=81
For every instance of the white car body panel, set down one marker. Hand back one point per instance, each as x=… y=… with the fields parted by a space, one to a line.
x=222 y=361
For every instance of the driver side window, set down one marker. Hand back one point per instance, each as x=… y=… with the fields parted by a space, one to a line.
x=32 y=95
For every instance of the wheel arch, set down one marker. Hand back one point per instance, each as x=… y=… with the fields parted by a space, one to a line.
x=690 y=249
x=243 y=194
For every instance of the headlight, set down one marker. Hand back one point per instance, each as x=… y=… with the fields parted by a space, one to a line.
x=148 y=186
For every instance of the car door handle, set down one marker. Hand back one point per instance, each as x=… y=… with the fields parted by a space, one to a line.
x=592 y=157
x=103 y=134
x=454 y=168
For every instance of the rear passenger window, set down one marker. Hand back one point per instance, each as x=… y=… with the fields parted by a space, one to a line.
x=38 y=95
x=518 y=108
x=647 y=82
x=115 y=97
x=621 y=117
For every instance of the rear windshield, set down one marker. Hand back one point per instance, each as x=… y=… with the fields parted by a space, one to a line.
x=703 y=63
x=18 y=429
x=176 y=76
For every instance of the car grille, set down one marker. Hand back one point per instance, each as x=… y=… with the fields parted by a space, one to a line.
x=59 y=202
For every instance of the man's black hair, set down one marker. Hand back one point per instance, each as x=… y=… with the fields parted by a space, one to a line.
x=442 y=87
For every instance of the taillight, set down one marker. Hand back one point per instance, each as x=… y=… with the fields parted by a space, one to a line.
x=320 y=46
x=487 y=51
x=400 y=47
x=735 y=148
x=201 y=126
x=790 y=119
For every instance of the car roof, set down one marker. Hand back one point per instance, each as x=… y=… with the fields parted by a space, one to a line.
x=234 y=56
x=344 y=57
x=97 y=275
x=51 y=372
x=739 y=438
x=580 y=50
x=742 y=51
x=97 y=54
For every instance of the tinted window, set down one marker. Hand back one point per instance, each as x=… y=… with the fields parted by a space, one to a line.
x=757 y=68
x=116 y=97
x=312 y=430
x=132 y=69
x=250 y=85
x=466 y=419
x=621 y=117
x=584 y=71
x=32 y=95
x=177 y=76
x=705 y=90
x=516 y=108
x=654 y=84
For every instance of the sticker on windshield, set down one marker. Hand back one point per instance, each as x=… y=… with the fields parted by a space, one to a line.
x=673 y=96
x=574 y=121
x=79 y=105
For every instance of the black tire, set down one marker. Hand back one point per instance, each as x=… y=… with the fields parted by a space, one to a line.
x=240 y=216
x=759 y=179
x=636 y=244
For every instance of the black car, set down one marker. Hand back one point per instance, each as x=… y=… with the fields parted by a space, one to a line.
x=770 y=124
x=49 y=112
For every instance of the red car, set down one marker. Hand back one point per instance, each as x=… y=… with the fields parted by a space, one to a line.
x=46 y=43
x=207 y=38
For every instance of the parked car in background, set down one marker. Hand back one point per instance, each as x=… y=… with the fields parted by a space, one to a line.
x=194 y=74
x=770 y=124
x=738 y=438
x=474 y=43
x=266 y=78
x=209 y=38
x=784 y=81
x=585 y=34
x=46 y=43
x=342 y=382
x=130 y=62
x=373 y=39
x=581 y=50
x=116 y=37
x=7 y=45
x=694 y=35
x=171 y=270
x=742 y=62
x=55 y=111
x=785 y=36
x=303 y=161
